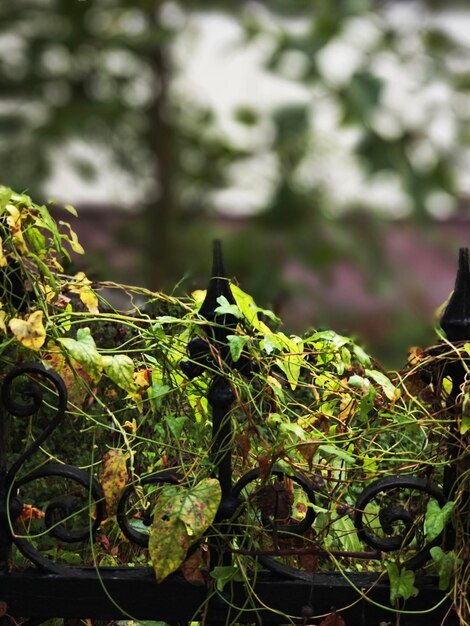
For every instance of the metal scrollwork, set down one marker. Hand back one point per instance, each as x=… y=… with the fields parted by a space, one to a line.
x=389 y=516
x=272 y=501
x=23 y=394
x=129 y=531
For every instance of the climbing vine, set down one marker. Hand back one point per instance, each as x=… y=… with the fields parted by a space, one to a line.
x=316 y=422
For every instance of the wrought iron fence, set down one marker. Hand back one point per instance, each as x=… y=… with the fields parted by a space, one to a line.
x=279 y=591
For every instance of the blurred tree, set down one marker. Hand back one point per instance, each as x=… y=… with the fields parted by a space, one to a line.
x=381 y=130
x=98 y=72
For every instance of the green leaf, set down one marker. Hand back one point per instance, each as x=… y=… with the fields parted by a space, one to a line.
x=292 y=427
x=36 y=240
x=270 y=343
x=176 y=425
x=341 y=454
x=346 y=533
x=181 y=516
x=224 y=574
x=436 y=518
x=465 y=418
x=120 y=369
x=225 y=308
x=401 y=583
x=329 y=336
x=381 y=379
x=83 y=350
x=237 y=343
x=250 y=309
x=157 y=391
x=291 y=362
x=464 y=424
x=71 y=209
x=5 y=195
x=362 y=356
x=446 y=563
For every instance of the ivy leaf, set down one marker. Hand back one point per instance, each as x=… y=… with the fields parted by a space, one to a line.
x=436 y=518
x=157 y=391
x=401 y=583
x=291 y=359
x=83 y=350
x=225 y=308
x=337 y=452
x=270 y=343
x=388 y=387
x=362 y=356
x=292 y=362
x=120 y=369
x=224 y=574
x=446 y=564
x=237 y=343
x=82 y=287
x=181 y=516
x=29 y=332
x=250 y=309
x=5 y=195
x=176 y=425
x=113 y=478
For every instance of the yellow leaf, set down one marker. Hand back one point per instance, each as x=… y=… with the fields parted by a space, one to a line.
x=29 y=332
x=3 y=327
x=14 y=222
x=131 y=426
x=87 y=295
x=181 y=517
x=142 y=378
x=113 y=478
x=71 y=209
x=3 y=259
x=73 y=239
x=199 y=295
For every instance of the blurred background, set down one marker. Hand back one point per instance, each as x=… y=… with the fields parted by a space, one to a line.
x=326 y=143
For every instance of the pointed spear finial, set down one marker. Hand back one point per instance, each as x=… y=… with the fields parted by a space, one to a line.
x=455 y=321
x=218 y=285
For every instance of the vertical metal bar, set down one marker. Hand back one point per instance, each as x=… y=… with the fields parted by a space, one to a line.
x=5 y=537
x=221 y=398
x=455 y=322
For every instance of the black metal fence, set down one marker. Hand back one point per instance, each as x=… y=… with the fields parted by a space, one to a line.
x=278 y=592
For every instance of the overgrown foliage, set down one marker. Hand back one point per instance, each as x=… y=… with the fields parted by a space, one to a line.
x=315 y=420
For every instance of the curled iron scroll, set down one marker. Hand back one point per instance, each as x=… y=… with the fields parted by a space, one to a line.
x=23 y=394
x=294 y=528
x=130 y=532
x=395 y=514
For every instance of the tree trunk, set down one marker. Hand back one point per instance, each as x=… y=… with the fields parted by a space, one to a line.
x=159 y=211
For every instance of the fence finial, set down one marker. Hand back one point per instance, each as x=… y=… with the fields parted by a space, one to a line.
x=455 y=321
x=218 y=285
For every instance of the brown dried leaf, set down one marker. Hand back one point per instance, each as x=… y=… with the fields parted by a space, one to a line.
x=191 y=569
x=265 y=465
x=308 y=450
x=31 y=512
x=244 y=444
x=275 y=501
x=333 y=619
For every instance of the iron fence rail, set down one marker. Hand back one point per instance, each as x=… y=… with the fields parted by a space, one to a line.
x=50 y=589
